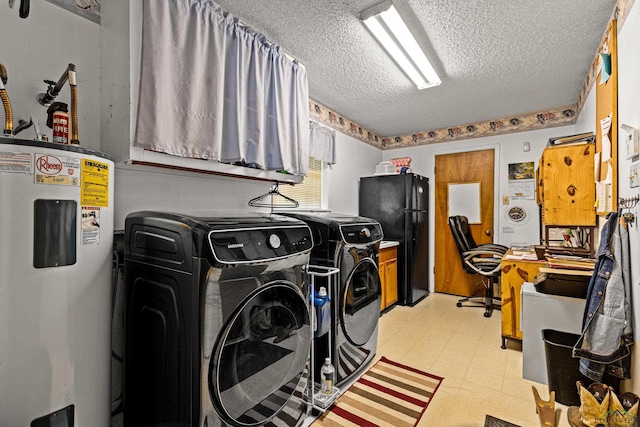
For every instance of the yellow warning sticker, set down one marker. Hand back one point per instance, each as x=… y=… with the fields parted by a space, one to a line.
x=94 y=183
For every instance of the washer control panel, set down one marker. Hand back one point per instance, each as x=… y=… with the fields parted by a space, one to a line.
x=259 y=244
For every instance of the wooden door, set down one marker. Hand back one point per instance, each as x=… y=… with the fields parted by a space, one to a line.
x=473 y=166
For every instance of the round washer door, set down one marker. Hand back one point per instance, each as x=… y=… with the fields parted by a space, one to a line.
x=260 y=355
x=360 y=304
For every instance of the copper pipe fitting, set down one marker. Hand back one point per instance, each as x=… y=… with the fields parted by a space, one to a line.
x=74 y=106
x=8 y=111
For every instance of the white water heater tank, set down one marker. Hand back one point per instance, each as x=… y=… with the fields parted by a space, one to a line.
x=56 y=246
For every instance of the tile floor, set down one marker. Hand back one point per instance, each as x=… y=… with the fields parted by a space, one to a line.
x=462 y=346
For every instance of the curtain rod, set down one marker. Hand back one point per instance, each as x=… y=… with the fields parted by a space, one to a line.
x=286 y=54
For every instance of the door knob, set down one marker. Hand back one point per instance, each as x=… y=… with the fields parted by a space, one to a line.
x=487 y=232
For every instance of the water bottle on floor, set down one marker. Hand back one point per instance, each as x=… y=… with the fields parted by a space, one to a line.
x=327 y=374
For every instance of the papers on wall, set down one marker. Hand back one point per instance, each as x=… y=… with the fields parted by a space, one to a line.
x=522 y=189
x=604 y=199
x=605 y=67
x=522 y=184
x=605 y=125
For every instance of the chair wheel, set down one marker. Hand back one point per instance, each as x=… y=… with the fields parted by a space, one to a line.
x=458 y=304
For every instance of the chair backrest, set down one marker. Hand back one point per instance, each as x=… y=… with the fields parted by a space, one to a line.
x=459 y=226
x=486 y=261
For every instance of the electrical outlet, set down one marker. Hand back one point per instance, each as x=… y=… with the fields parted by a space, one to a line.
x=631 y=141
x=634 y=178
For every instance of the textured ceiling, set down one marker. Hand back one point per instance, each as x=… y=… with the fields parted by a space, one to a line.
x=495 y=57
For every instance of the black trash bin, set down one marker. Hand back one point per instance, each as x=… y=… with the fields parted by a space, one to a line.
x=562 y=368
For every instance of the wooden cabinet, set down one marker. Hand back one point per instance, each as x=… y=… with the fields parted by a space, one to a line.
x=388 y=268
x=514 y=274
x=566 y=186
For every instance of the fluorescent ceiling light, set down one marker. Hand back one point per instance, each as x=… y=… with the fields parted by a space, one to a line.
x=392 y=33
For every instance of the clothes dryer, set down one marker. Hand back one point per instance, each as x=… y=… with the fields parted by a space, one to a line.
x=217 y=322
x=351 y=244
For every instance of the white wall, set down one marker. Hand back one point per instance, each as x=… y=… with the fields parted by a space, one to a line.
x=586 y=121
x=629 y=113
x=355 y=159
x=41 y=47
x=147 y=188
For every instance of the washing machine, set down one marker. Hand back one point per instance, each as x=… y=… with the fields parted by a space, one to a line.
x=350 y=244
x=217 y=324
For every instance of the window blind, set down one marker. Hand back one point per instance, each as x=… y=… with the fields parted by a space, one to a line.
x=308 y=193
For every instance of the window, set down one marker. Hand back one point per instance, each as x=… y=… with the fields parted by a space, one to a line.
x=309 y=192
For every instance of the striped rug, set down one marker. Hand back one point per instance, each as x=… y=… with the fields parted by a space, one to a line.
x=389 y=394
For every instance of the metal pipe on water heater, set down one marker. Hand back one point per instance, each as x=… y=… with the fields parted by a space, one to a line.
x=8 y=112
x=54 y=88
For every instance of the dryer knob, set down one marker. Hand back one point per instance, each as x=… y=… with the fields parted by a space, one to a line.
x=274 y=241
x=365 y=232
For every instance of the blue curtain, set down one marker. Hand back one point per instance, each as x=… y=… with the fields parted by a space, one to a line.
x=212 y=88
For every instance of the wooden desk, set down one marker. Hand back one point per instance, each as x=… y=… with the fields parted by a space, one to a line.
x=515 y=272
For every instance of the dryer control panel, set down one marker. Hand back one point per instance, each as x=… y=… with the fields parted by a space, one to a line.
x=259 y=244
x=361 y=233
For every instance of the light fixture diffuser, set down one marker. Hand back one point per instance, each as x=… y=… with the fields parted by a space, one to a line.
x=384 y=22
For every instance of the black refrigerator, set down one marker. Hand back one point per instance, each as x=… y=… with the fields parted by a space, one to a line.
x=400 y=203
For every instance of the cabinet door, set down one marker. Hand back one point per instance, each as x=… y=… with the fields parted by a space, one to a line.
x=568 y=183
x=383 y=285
x=514 y=274
x=391 y=282
x=388 y=268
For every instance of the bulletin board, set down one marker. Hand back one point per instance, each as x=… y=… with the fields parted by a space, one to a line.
x=606 y=159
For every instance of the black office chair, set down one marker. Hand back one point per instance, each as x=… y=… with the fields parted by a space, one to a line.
x=483 y=260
